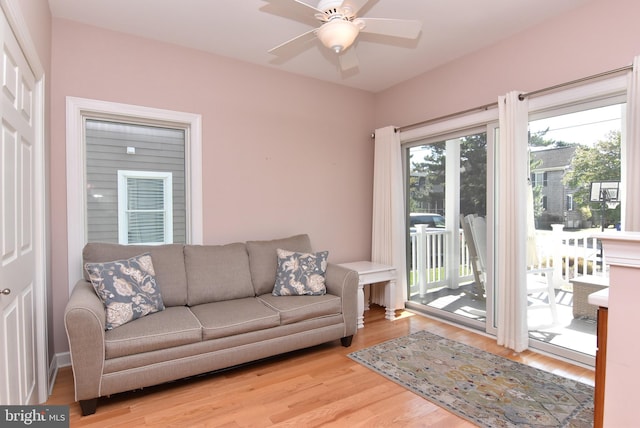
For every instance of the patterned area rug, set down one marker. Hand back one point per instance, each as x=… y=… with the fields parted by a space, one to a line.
x=486 y=389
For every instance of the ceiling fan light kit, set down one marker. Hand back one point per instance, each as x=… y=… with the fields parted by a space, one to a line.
x=338 y=34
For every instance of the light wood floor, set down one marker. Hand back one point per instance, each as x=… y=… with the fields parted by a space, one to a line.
x=319 y=386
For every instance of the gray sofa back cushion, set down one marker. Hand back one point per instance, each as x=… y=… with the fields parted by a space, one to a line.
x=168 y=263
x=263 y=259
x=217 y=272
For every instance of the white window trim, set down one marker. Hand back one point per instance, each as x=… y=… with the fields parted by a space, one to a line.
x=579 y=95
x=538 y=179
x=123 y=194
x=449 y=126
x=77 y=109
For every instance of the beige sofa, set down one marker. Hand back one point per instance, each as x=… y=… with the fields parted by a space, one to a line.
x=219 y=312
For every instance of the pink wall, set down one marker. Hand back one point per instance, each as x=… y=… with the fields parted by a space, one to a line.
x=282 y=154
x=601 y=36
x=622 y=251
x=270 y=138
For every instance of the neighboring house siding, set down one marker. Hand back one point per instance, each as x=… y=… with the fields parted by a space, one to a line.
x=555 y=192
x=555 y=163
x=156 y=149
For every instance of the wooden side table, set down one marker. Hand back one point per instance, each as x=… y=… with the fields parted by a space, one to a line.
x=601 y=300
x=372 y=273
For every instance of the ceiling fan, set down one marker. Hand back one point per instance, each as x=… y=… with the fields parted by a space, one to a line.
x=341 y=25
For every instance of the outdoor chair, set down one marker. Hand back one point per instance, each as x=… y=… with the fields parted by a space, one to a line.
x=539 y=279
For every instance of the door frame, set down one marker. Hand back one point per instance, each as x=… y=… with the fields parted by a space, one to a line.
x=44 y=376
x=485 y=120
x=582 y=97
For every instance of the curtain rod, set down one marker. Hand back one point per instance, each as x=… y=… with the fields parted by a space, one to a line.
x=521 y=97
x=446 y=116
x=573 y=82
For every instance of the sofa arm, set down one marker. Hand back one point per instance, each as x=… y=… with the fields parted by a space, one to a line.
x=343 y=282
x=84 y=321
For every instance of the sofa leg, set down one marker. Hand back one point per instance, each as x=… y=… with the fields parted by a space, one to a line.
x=88 y=406
x=346 y=341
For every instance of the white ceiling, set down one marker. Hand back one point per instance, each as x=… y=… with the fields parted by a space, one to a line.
x=247 y=29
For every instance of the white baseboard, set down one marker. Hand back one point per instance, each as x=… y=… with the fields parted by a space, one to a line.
x=63 y=359
x=59 y=360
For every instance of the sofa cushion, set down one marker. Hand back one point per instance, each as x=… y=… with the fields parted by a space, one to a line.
x=127 y=289
x=263 y=259
x=217 y=272
x=298 y=308
x=222 y=319
x=168 y=263
x=174 y=326
x=300 y=274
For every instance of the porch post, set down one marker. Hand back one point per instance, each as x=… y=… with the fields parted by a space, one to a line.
x=421 y=256
x=452 y=214
x=557 y=254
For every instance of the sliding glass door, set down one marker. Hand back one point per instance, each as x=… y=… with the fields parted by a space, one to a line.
x=576 y=144
x=571 y=149
x=446 y=181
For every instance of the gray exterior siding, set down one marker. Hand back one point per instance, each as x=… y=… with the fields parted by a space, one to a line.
x=156 y=149
x=555 y=192
x=555 y=162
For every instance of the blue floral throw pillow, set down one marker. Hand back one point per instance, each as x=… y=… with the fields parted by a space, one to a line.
x=127 y=289
x=300 y=274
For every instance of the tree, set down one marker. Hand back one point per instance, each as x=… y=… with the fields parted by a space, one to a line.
x=426 y=184
x=592 y=164
x=538 y=207
x=427 y=181
x=473 y=175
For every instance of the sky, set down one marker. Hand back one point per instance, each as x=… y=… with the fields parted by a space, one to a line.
x=585 y=127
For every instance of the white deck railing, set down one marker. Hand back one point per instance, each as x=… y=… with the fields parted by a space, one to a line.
x=570 y=253
x=433 y=251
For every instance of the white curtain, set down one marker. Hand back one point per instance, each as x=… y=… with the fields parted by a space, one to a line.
x=388 y=231
x=511 y=222
x=631 y=154
x=532 y=251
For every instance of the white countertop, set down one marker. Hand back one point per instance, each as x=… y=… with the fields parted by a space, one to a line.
x=599 y=298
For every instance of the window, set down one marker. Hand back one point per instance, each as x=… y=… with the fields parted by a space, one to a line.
x=570 y=206
x=135 y=175
x=145 y=207
x=446 y=180
x=576 y=143
x=539 y=179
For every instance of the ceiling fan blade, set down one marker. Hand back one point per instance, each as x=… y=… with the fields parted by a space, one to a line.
x=354 y=6
x=297 y=6
x=293 y=45
x=407 y=29
x=348 y=59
